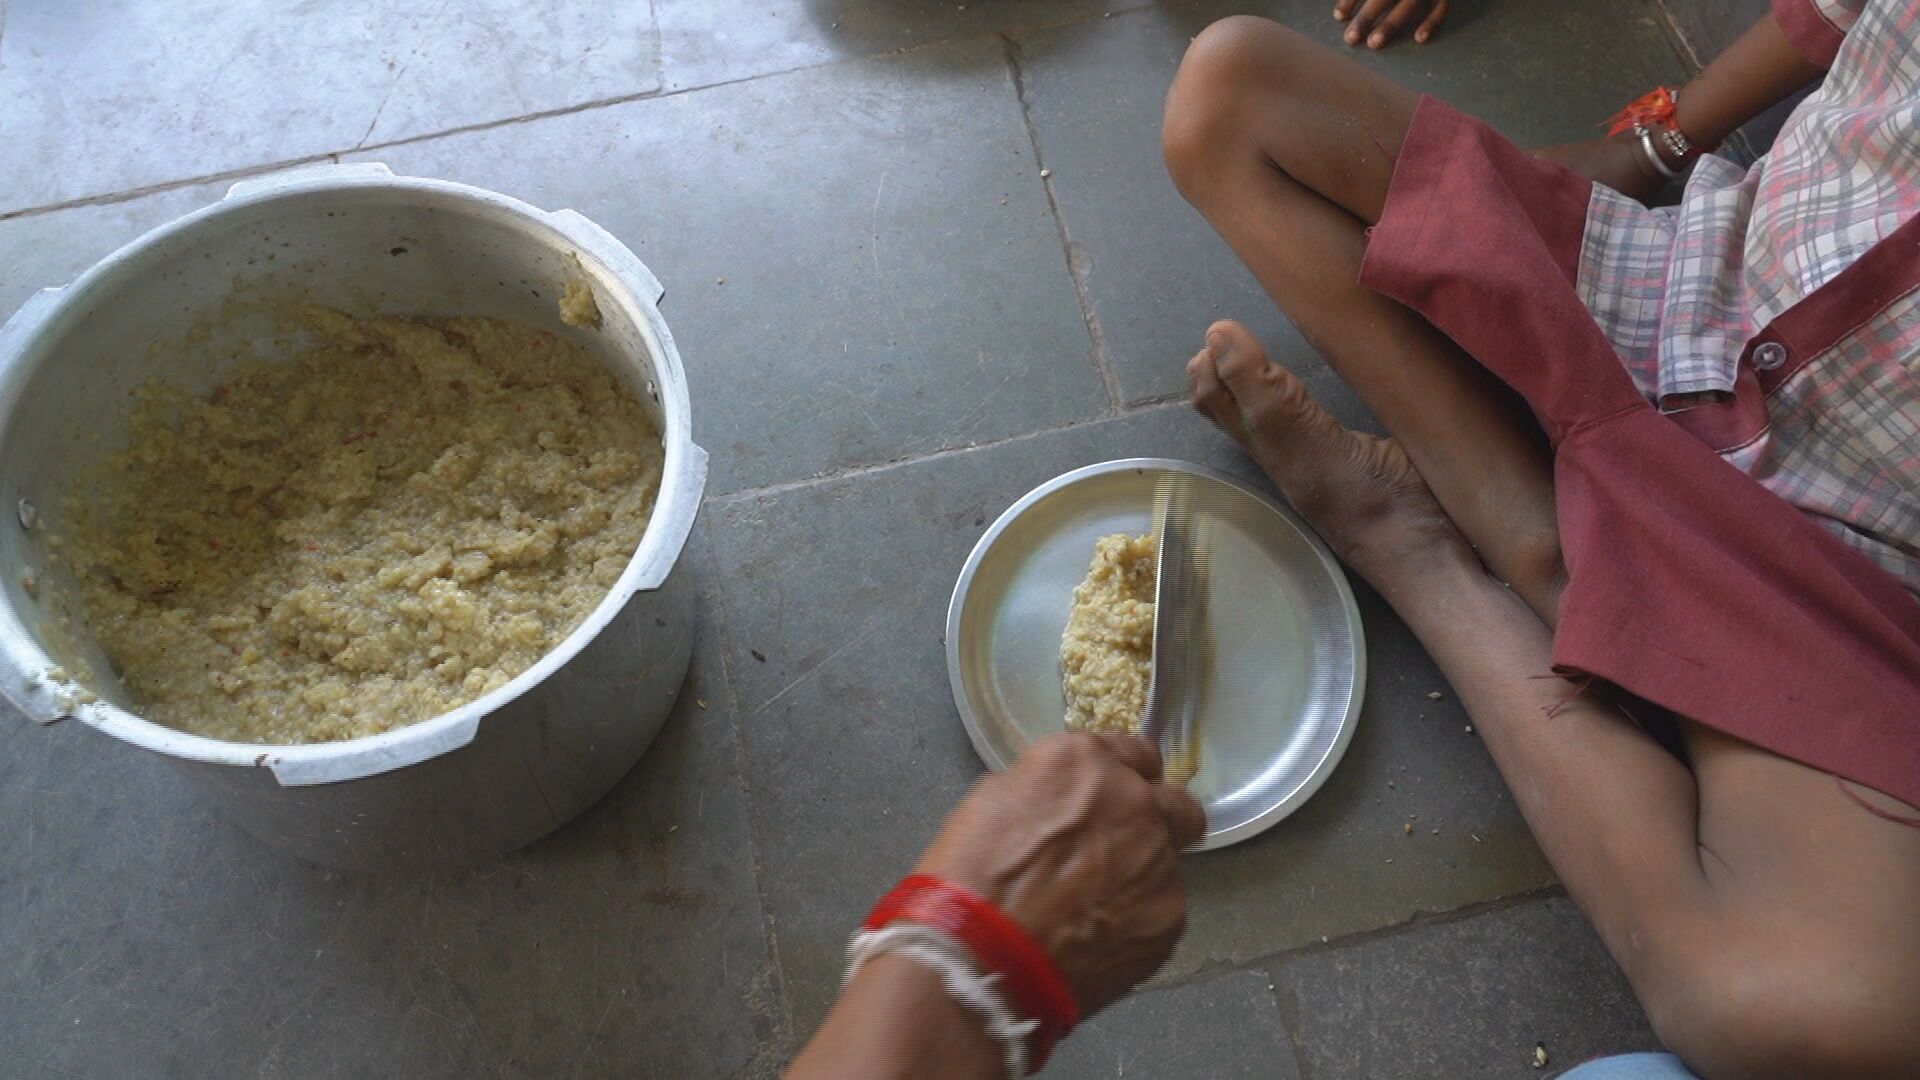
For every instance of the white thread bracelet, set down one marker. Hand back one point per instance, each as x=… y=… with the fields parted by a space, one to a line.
x=958 y=973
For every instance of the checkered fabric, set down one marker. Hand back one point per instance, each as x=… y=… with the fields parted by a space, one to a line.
x=1840 y=14
x=1680 y=290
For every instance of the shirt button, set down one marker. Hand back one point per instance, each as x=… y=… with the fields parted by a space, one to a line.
x=1769 y=356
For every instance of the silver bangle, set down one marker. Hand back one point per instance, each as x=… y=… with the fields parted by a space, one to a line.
x=1678 y=144
x=1653 y=156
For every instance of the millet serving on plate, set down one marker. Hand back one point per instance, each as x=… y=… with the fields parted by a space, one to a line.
x=1106 y=654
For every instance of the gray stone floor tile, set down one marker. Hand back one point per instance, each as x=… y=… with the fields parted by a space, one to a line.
x=147 y=935
x=835 y=597
x=112 y=97
x=1156 y=273
x=1225 y=1028
x=709 y=41
x=1470 y=997
x=860 y=260
x=1155 y=270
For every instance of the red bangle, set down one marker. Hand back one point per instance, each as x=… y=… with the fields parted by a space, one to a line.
x=1028 y=976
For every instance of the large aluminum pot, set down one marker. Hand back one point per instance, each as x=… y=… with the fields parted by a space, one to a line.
x=486 y=777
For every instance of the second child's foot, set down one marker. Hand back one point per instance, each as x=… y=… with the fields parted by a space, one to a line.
x=1360 y=492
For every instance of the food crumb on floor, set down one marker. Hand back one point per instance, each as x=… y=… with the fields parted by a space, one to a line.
x=1539 y=1055
x=1407 y=829
x=1434 y=695
x=702 y=702
x=1469 y=729
x=1046 y=174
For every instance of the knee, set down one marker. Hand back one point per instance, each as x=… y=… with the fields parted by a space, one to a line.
x=1773 y=1017
x=1228 y=74
x=1539 y=570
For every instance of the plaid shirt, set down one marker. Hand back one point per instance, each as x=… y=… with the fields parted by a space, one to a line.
x=1681 y=291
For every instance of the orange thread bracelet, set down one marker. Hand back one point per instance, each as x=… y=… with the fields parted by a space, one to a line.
x=1653 y=107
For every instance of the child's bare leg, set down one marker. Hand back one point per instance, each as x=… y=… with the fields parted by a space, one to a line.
x=1763 y=917
x=1288 y=149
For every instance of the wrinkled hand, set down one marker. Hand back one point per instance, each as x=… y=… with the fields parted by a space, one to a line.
x=1377 y=21
x=1618 y=163
x=1079 y=843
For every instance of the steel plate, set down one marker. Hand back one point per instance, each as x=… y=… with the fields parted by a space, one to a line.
x=1290 y=662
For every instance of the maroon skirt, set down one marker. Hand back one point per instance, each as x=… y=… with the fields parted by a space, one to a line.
x=1690 y=585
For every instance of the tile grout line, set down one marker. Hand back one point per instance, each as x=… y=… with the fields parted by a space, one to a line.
x=393 y=84
x=1075 y=257
x=1689 y=55
x=1286 y=1001
x=660 y=91
x=1151 y=402
x=659 y=44
x=785 y=486
x=1417 y=921
x=1287 y=1004
x=244 y=172
x=782 y=1020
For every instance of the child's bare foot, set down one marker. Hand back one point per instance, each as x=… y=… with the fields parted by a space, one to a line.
x=1359 y=491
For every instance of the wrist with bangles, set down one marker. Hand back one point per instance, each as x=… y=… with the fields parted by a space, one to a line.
x=985 y=960
x=1650 y=119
